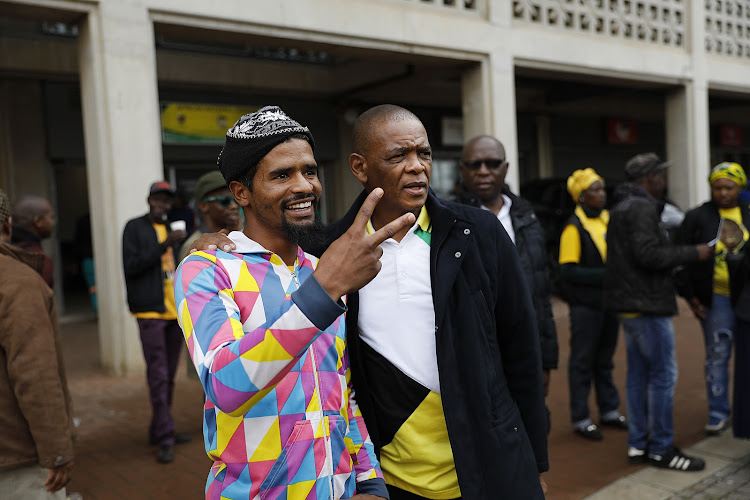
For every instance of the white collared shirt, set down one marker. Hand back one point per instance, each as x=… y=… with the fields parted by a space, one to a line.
x=396 y=312
x=504 y=217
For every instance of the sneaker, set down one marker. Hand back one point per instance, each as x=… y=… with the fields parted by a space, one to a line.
x=590 y=431
x=637 y=457
x=619 y=422
x=676 y=460
x=716 y=426
x=165 y=454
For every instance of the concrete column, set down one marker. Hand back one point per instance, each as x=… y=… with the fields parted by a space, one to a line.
x=123 y=155
x=475 y=100
x=488 y=92
x=688 y=144
x=342 y=187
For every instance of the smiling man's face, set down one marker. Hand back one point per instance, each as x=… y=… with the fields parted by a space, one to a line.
x=399 y=160
x=286 y=189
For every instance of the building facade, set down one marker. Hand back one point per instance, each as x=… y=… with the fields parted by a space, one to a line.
x=87 y=88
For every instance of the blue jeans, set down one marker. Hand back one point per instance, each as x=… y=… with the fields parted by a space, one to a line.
x=652 y=375
x=718 y=332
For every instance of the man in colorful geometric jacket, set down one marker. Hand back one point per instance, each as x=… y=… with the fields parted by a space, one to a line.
x=265 y=328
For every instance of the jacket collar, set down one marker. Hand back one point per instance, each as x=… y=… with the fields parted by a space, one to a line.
x=22 y=235
x=245 y=245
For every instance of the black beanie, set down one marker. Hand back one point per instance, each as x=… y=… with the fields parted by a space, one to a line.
x=253 y=136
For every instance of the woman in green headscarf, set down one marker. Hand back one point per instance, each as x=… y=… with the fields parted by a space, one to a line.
x=706 y=285
x=593 y=331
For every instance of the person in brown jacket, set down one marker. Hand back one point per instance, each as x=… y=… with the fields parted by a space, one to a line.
x=36 y=416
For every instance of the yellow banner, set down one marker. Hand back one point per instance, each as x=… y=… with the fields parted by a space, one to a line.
x=187 y=123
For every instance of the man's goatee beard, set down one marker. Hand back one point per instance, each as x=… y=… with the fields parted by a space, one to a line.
x=305 y=235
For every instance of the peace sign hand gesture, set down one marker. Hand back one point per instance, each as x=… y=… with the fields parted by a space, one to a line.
x=353 y=260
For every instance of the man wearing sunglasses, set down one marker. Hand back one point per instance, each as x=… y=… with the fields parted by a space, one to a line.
x=216 y=207
x=483 y=169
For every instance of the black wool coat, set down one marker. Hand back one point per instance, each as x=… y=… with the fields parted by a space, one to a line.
x=533 y=257
x=487 y=352
x=141 y=260
x=640 y=258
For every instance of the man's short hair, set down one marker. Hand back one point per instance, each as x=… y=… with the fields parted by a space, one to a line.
x=367 y=123
x=27 y=208
x=5 y=210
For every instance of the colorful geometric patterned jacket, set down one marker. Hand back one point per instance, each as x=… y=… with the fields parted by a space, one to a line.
x=269 y=345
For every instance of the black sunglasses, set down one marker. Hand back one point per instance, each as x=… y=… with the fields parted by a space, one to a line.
x=224 y=201
x=492 y=164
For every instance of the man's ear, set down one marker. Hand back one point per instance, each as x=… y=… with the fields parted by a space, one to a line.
x=202 y=207
x=358 y=166
x=505 y=170
x=241 y=193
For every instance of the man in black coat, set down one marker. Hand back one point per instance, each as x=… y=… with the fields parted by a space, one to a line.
x=443 y=342
x=149 y=264
x=638 y=285
x=483 y=169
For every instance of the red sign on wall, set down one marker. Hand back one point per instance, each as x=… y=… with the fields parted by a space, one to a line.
x=730 y=135
x=622 y=131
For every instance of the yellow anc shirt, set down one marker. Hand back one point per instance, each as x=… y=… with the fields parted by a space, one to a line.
x=570 y=240
x=419 y=459
x=167 y=267
x=721 y=273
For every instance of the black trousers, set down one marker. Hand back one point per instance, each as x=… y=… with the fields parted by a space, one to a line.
x=593 y=340
x=399 y=494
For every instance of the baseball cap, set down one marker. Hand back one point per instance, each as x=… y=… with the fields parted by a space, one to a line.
x=207 y=183
x=644 y=164
x=161 y=187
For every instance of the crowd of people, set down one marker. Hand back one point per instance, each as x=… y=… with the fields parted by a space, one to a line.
x=406 y=350
x=617 y=267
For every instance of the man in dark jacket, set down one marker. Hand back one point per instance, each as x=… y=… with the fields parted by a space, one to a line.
x=149 y=264
x=638 y=285
x=36 y=413
x=483 y=169
x=443 y=343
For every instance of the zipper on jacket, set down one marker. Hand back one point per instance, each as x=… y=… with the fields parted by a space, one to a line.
x=329 y=451
x=326 y=441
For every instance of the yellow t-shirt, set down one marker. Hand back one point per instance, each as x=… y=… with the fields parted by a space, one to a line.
x=721 y=272
x=419 y=459
x=167 y=267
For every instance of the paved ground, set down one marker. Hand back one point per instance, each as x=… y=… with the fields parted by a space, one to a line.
x=114 y=460
x=727 y=476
